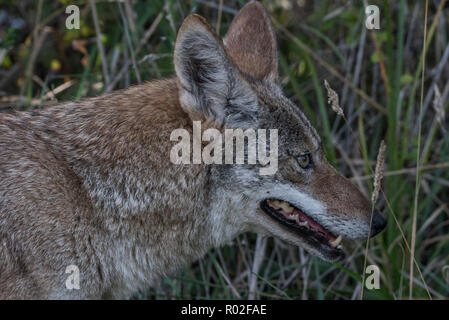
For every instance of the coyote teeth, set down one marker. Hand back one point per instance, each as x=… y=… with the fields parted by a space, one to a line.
x=304 y=224
x=276 y=203
x=286 y=207
x=336 y=242
x=296 y=218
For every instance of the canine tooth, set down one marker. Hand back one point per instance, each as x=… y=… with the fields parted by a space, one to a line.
x=296 y=217
x=336 y=242
x=303 y=224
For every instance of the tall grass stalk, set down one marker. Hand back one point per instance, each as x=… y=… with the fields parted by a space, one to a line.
x=418 y=162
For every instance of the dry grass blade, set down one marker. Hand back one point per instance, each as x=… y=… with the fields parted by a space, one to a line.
x=104 y=65
x=128 y=39
x=418 y=162
x=228 y=282
x=405 y=171
x=220 y=11
x=259 y=255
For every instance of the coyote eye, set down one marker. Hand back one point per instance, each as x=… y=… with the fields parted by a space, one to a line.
x=304 y=161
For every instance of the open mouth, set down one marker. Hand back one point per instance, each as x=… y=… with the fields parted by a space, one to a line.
x=307 y=228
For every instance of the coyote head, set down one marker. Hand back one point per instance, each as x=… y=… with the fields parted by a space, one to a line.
x=234 y=84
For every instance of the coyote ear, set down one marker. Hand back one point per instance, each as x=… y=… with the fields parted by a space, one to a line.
x=210 y=86
x=251 y=43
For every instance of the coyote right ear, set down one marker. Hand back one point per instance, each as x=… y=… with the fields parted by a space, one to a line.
x=251 y=43
x=210 y=86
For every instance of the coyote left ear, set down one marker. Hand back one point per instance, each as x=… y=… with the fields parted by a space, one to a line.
x=251 y=43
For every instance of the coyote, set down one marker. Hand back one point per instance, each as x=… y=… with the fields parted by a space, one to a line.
x=90 y=183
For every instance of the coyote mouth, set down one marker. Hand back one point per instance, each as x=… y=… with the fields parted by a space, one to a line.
x=306 y=227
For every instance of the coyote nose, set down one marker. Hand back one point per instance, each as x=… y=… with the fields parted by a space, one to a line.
x=378 y=224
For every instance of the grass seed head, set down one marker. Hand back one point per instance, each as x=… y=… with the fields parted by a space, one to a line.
x=378 y=175
x=332 y=99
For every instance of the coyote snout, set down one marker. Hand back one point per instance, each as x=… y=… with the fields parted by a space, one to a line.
x=314 y=206
x=322 y=212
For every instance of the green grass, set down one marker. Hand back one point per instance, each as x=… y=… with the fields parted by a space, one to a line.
x=320 y=41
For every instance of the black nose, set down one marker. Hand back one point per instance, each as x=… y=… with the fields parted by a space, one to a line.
x=379 y=223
